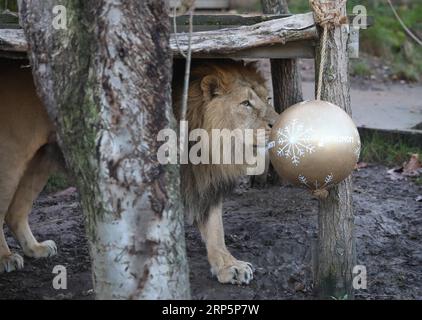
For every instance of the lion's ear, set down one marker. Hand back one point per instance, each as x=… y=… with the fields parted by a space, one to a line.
x=210 y=86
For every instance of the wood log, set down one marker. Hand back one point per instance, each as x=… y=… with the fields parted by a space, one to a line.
x=218 y=42
x=287 y=84
x=268 y=33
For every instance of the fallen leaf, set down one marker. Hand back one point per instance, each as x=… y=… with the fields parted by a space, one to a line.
x=396 y=173
x=412 y=167
x=298 y=286
x=361 y=165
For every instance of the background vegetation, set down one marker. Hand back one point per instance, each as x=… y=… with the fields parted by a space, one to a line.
x=387 y=39
x=9 y=4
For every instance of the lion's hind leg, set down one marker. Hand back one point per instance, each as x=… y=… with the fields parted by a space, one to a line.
x=227 y=268
x=31 y=184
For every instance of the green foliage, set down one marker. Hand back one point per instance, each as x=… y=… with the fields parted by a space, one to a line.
x=57 y=182
x=386 y=38
x=8 y=4
x=360 y=68
x=298 y=6
x=378 y=149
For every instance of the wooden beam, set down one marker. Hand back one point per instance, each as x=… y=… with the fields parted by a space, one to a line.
x=296 y=49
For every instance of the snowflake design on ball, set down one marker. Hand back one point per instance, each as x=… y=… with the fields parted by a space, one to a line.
x=327 y=181
x=294 y=142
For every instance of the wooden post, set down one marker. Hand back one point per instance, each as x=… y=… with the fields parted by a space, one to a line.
x=336 y=256
x=287 y=84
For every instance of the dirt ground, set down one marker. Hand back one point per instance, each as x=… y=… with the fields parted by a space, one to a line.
x=274 y=228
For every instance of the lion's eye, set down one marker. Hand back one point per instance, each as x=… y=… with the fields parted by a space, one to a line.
x=247 y=103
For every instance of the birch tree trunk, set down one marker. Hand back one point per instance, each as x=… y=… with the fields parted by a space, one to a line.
x=336 y=253
x=105 y=81
x=285 y=73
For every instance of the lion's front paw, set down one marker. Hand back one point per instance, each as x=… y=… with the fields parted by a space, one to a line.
x=239 y=272
x=42 y=250
x=11 y=263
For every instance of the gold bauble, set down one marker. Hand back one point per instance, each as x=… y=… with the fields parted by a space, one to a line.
x=314 y=144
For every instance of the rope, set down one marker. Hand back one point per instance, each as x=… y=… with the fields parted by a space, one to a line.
x=328 y=16
x=175 y=32
x=328 y=13
x=186 y=6
x=323 y=61
x=188 y=58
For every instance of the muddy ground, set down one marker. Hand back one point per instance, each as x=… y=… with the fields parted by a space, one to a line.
x=273 y=228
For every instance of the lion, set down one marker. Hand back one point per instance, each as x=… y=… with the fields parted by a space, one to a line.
x=223 y=94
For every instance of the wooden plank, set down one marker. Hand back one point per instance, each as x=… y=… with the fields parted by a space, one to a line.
x=9 y=21
x=13 y=40
x=297 y=49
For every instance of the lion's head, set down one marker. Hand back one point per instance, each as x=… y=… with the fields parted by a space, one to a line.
x=225 y=94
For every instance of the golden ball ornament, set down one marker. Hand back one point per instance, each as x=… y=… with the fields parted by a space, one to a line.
x=314 y=144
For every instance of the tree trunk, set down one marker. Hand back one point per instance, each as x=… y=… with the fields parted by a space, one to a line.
x=105 y=81
x=285 y=73
x=336 y=256
x=287 y=84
